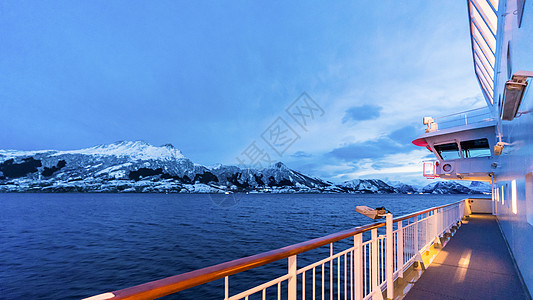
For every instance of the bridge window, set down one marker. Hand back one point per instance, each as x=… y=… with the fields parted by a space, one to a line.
x=448 y=151
x=475 y=148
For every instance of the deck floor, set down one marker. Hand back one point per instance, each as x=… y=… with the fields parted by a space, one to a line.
x=474 y=264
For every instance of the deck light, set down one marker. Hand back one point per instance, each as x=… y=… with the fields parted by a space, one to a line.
x=513 y=197
x=513 y=93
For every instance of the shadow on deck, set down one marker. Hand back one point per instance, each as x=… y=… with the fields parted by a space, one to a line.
x=474 y=264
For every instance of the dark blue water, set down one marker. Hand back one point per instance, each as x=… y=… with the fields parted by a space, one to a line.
x=71 y=246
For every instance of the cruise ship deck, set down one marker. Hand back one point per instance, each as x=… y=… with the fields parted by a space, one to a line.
x=474 y=264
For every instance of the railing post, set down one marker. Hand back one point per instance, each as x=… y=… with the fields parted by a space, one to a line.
x=226 y=288
x=399 y=249
x=292 y=277
x=389 y=262
x=435 y=224
x=437 y=221
x=374 y=262
x=331 y=288
x=438 y=225
x=358 y=266
x=441 y=221
x=466 y=208
x=416 y=234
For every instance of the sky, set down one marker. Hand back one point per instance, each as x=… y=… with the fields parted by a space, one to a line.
x=334 y=89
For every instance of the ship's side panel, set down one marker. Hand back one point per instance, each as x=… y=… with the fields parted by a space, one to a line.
x=513 y=175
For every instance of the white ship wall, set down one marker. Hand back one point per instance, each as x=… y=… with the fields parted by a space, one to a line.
x=513 y=175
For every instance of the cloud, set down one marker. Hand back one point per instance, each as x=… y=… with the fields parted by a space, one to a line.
x=301 y=154
x=384 y=164
x=404 y=135
x=398 y=141
x=368 y=149
x=405 y=167
x=362 y=113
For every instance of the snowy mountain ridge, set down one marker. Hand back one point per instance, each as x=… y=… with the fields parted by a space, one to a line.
x=137 y=150
x=136 y=166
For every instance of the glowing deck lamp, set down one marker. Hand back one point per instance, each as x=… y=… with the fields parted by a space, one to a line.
x=514 y=91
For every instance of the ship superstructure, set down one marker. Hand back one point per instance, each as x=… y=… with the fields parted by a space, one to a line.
x=495 y=143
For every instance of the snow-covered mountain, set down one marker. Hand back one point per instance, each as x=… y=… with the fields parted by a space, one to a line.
x=372 y=186
x=447 y=187
x=140 y=167
x=403 y=188
x=136 y=166
x=133 y=150
x=480 y=187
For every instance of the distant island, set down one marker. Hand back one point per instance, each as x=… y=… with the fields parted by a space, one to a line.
x=138 y=167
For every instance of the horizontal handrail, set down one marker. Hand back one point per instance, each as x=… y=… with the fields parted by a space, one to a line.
x=472 y=116
x=173 y=284
x=409 y=216
x=176 y=283
x=463 y=112
x=490 y=118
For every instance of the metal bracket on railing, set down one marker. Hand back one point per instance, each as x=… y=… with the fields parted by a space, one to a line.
x=419 y=260
x=373 y=214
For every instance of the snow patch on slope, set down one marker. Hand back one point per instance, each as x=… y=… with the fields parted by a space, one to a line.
x=136 y=150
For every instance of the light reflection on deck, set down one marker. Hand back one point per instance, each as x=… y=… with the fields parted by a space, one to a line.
x=474 y=264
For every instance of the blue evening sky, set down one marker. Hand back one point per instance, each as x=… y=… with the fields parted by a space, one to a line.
x=211 y=76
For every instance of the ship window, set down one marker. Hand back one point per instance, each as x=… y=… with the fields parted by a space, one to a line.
x=448 y=151
x=506 y=190
x=529 y=198
x=520 y=11
x=509 y=63
x=475 y=148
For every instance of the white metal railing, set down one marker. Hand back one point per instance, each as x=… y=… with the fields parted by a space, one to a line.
x=364 y=270
x=358 y=266
x=472 y=116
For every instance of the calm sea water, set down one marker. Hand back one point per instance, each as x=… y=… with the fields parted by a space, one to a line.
x=71 y=246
